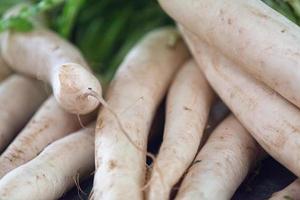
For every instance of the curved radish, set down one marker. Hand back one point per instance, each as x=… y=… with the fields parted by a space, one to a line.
x=135 y=92
x=272 y=120
x=241 y=31
x=188 y=105
x=19 y=99
x=54 y=171
x=292 y=192
x=222 y=163
x=43 y=54
x=48 y=124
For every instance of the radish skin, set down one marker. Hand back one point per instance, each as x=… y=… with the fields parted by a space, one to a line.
x=54 y=171
x=44 y=55
x=5 y=71
x=20 y=97
x=272 y=120
x=241 y=31
x=292 y=192
x=188 y=105
x=134 y=94
x=222 y=163
x=48 y=124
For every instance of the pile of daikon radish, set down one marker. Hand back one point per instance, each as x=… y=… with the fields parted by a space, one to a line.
x=241 y=51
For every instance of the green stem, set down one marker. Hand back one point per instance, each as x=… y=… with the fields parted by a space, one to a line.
x=295 y=4
x=67 y=19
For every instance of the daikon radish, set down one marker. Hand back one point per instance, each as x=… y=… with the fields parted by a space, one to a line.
x=54 y=171
x=272 y=120
x=188 y=105
x=134 y=94
x=222 y=163
x=43 y=54
x=250 y=33
x=48 y=124
x=20 y=97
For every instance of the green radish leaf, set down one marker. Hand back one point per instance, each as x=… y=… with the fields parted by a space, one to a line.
x=20 y=24
x=16 y=23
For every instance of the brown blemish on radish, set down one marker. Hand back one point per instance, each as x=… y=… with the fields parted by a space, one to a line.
x=112 y=164
x=29 y=140
x=196 y=162
x=257 y=13
x=187 y=108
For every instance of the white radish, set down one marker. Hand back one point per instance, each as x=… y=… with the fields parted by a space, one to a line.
x=20 y=97
x=222 y=163
x=188 y=105
x=43 y=54
x=134 y=94
x=250 y=33
x=49 y=123
x=272 y=120
x=291 y=192
x=54 y=171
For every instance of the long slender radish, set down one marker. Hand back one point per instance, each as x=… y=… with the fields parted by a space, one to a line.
x=251 y=34
x=188 y=105
x=272 y=120
x=54 y=171
x=19 y=99
x=134 y=94
x=49 y=124
x=43 y=54
x=5 y=71
x=222 y=163
x=291 y=192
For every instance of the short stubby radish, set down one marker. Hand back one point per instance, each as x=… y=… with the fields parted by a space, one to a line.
x=188 y=104
x=5 y=71
x=250 y=33
x=272 y=120
x=54 y=171
x=134 y=94
x=43 y=54
x=20 y=97
x=222 y=163
x=291 y=192
x=48 y=124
